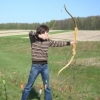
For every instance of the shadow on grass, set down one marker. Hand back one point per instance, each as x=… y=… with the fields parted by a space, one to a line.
x=33 y=95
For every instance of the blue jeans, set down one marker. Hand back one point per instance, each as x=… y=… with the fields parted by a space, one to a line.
x=34 y=72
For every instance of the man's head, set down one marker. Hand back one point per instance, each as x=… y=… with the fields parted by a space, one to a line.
x=42 y=32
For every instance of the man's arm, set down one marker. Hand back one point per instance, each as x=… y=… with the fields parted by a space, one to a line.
x=53 y=43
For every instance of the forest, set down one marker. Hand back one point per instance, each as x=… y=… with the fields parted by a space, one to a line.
x=83 y=23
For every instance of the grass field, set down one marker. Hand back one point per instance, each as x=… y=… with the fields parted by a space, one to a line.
x=80 y=81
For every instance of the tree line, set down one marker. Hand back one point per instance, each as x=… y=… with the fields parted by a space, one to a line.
x=83 y=23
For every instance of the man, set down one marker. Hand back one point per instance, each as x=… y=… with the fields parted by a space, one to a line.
x=40 y=43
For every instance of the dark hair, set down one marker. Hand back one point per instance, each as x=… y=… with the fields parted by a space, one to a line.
x=42 y=29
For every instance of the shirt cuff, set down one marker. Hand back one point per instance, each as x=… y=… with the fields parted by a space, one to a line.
x=68 y=43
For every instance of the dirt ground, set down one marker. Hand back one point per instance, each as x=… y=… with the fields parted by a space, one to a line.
x=83 y=35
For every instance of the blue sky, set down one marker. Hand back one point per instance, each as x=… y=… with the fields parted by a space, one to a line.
x=31 y=11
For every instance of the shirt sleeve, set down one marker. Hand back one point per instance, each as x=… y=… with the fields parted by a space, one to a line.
x=53 y=43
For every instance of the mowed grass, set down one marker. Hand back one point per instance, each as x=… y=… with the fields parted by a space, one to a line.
x=79 y=81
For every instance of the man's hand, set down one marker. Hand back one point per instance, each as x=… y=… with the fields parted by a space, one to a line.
x=73 y=42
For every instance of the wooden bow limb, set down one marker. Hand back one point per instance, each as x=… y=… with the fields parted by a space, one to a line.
x=66 y=65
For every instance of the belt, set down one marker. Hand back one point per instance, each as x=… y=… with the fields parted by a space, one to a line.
x=39 y=62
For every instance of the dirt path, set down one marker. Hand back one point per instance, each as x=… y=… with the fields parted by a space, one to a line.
x=83 y=35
